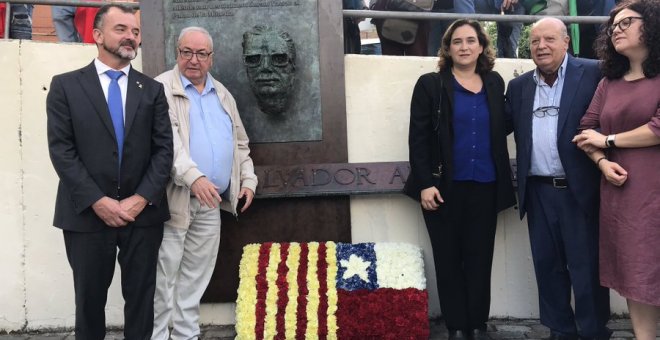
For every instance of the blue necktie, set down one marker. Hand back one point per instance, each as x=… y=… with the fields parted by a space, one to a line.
x=116 y=109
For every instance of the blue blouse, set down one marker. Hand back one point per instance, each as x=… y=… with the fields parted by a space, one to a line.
x=473 y=160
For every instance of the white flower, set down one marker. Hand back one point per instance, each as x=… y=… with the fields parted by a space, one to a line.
x=355 y=266
x=399 y=266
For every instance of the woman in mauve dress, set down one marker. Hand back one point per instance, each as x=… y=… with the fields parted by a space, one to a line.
x=622 y=136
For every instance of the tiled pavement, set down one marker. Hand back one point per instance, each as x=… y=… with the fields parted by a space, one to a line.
x=498 y=329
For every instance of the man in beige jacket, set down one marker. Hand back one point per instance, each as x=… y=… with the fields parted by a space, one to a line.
x=212 y=170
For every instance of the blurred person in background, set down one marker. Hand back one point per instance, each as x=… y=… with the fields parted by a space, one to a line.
x=508 y=33
x=63 y=22
x=352 y=41
x=437 y=28
x=406 y=37
x=20 y=21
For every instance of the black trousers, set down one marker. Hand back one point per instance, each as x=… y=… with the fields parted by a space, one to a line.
x=92 y=258
x=352 y=41
x=462 y=233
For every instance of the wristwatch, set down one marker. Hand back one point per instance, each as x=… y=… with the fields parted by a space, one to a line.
x=610 y=141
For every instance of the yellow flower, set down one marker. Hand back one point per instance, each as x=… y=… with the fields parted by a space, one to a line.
x=247 y=292
x=313 y=295
x=270 y=325
x=331 y=259
x=290 y=316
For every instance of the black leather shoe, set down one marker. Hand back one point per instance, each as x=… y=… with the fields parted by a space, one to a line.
x=457 y=335
x=606 y=334
x=479 y=334
x=555 y=336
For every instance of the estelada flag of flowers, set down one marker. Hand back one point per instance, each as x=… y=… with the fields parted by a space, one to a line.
x=332 y=291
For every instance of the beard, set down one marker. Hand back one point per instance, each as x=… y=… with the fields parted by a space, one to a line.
x=121 y=51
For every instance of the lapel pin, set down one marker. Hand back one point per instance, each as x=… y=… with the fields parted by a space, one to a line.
x=139 y=84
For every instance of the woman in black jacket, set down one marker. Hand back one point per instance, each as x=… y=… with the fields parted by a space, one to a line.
x=460 y=172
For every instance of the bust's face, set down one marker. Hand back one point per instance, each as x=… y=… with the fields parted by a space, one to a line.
x=270 y=71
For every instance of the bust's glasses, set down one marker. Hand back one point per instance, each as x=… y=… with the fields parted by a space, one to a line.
x=623 y=24
x=201 y=56
x=255 y=60
x=546 y=111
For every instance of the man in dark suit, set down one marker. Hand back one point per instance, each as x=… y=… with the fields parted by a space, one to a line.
x=110 y=142
x=558 y=185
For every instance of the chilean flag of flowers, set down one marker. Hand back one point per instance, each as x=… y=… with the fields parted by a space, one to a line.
x=332 y=291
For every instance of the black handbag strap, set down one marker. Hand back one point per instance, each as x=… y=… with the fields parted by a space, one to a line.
x=439 y=84
x=438 y=119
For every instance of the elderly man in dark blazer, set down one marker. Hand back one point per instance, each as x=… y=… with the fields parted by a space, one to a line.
x=110 y=142
x=558 y=184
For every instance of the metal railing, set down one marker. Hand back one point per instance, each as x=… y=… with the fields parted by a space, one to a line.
x=76 y=3
x=58 y=3
x=435 y=16
x=431 y=16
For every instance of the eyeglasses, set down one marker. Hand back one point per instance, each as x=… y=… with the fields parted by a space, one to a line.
x=546 y=111
x=255 y=60
x=188 y=55
x=623 y=24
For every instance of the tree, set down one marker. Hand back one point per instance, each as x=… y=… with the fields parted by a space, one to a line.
x=523 y=43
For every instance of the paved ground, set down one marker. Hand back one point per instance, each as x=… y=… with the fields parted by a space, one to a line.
x=498 y=329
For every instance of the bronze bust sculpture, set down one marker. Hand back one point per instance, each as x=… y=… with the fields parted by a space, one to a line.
x=269 y=56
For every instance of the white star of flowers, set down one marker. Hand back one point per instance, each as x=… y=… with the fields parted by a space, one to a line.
x=355 y=266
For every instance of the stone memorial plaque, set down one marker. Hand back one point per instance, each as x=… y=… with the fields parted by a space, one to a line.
x=266 y=52
x=311 y=129
x=310 y=180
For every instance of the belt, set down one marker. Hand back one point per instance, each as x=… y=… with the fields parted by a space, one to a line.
x=557 y=182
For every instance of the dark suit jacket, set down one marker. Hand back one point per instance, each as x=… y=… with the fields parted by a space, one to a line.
x=83 y=148
x=427 y=147
x=582 y=77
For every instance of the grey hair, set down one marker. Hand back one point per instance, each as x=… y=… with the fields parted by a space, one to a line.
x=195 y=29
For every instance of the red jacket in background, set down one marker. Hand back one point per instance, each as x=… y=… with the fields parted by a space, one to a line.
x=3 y=12
x=84 y=21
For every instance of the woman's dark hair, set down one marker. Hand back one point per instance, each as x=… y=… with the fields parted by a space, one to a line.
x=486 y=60
x=615 y=65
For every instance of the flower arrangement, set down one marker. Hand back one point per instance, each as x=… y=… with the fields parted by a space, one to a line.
x=332 y=291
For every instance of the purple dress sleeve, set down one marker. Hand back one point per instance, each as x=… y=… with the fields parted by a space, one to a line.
x=591 y=119
x=654 y=124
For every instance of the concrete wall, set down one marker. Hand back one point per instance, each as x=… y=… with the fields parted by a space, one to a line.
x=12 y=247
x=36 y=290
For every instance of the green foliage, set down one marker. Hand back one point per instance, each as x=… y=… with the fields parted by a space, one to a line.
x=523 y=44
x=491 y=30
